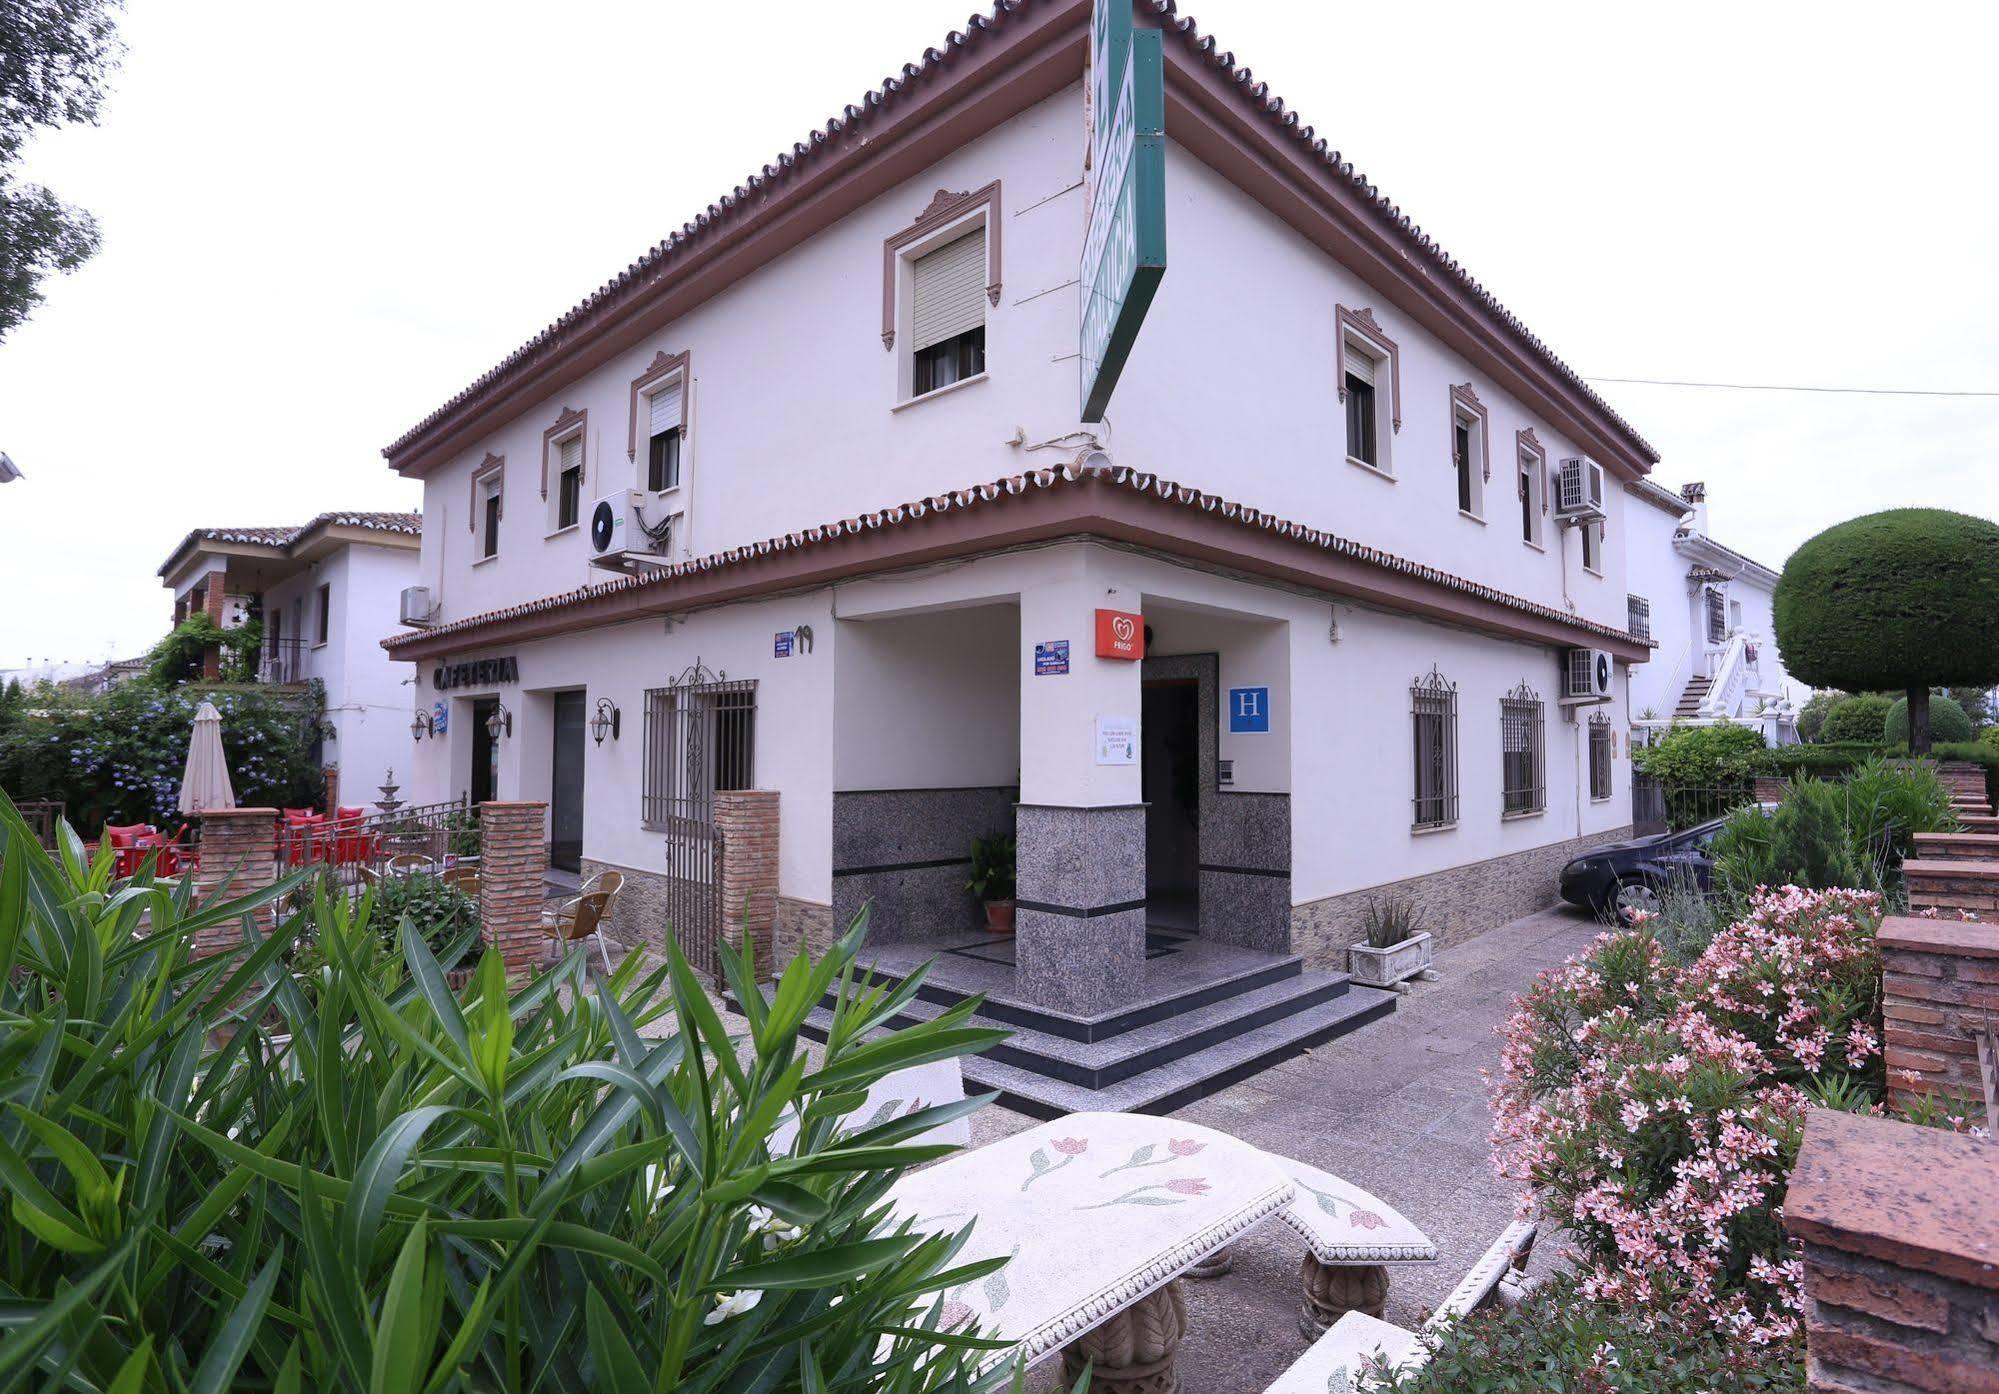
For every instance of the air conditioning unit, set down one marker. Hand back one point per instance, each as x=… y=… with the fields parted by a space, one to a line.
x=621 y=533
x=1586 y=675
x=417 y=609
x=1579 y=489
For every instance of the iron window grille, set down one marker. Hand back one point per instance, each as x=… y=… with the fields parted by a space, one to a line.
x=1717 y=616
x=699 y=739
x=1599 y=758
x=1639 y=616
x=1524 y=771
x=1434 y=711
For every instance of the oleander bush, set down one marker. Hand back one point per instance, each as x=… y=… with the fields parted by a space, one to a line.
x=1562 y=1339
x=1949 y=725
x=216 y=1181
x=1863 y=717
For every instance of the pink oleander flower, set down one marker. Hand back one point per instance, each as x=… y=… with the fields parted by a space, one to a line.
x=1184 y=1146
x=1187 y=1186
x=1071 y=1146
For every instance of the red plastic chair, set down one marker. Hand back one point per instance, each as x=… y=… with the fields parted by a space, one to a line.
x=126 y=851
x=351 y=842
x=306 y=840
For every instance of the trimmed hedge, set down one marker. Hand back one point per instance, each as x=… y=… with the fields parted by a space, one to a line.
x=1948 y=722
x=1861 y=717
x=1892 y=600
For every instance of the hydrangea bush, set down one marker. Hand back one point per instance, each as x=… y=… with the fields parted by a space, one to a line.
x=1657 y=1108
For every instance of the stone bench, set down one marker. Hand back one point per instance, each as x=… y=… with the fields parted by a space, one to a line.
x=1341 y=1361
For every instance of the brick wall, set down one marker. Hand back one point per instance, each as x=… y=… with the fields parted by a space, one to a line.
x=1771 y=788
x=331 y=774
x=1939 y=978
x=239 y=847
x=1900 y=1241
x=1957 y=847
x=211 y=661
x=1966 y=783
x=1951 y=886
x=1978 y=823
x=747 y=820
x=513 y=862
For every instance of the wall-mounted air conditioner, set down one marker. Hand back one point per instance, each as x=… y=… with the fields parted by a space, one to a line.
x=1586 y=675
x=622 y=533
x=1579 y=489
x=417 y=609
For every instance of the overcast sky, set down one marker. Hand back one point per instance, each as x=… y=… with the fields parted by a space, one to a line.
x=319 y=222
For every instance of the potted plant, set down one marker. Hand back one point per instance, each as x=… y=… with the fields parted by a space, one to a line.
x=1395 y=945
x=992 y=879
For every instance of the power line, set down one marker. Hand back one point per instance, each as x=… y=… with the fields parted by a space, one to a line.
x=1793 y=387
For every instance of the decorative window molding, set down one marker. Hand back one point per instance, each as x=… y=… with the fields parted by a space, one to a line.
x=480 y=474
x=945 y=208
x=663 y=366
x=570 y=423
x=1361 y=324
x=1527 y=443
x=1522 y=754
x=1433 y=708
x=1463 y=397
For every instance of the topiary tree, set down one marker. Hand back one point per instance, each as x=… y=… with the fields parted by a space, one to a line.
x=1861 y=717
x=1948 y=721
x=1902 y=599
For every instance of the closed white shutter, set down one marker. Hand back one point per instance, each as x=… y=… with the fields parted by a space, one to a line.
x=1359 y=364
x=665 y=409
x=950 y=292
x=572 y=453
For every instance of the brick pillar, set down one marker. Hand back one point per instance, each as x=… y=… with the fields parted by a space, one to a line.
x=1900 y=1241
x=1939 y=978
x=239 y=846
x=1950 y=886
x=747 y=820
x=513 y=862
x=331 y=774
x=211 y=661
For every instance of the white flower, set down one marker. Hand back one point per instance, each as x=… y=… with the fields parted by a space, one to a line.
x=773 y=1230
x=656 y=1183
x=729 y=1304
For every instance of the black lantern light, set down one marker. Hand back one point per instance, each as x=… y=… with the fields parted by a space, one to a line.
x=606 y=721
x=421 y=725
x=500 y=721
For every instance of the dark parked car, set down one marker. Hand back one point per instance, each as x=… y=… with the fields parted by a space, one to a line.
x=1626 y=876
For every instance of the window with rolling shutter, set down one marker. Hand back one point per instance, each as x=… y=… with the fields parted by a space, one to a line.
x=948 y=313
x=663 y=439
x=569 y=482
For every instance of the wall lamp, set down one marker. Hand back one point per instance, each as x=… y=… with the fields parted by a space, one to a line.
x=500 y=721
x=421 y=725
x=606 y=721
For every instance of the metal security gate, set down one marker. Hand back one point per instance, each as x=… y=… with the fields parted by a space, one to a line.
x=699 y=738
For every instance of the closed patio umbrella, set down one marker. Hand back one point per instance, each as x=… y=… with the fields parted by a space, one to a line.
x=205 y=784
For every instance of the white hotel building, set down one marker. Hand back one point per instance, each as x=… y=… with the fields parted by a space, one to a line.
x=844 y=402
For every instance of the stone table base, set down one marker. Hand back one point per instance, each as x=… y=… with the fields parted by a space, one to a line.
x=1214 y=1265
x=1132 y=1353
x=1330 y=1293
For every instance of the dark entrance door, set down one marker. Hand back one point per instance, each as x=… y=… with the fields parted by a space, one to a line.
x=1170 y=781
x=485 y=750
x=565 y=804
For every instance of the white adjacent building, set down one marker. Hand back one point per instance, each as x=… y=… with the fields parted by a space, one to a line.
x=325 y=593
x=801 y=502
x=1707 y=607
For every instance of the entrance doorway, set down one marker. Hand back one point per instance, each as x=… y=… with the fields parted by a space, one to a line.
x=565 y=785
x=1170 y=784
x=485 y=750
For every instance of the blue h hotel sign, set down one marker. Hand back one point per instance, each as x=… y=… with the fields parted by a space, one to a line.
x=1249 y=710
x=1124 y=246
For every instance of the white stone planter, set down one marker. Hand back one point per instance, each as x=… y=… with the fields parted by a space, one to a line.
x=1389 y=966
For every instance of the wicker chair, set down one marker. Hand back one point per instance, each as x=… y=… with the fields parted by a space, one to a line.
x=579 y=918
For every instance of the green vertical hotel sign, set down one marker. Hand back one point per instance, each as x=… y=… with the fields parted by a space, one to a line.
x=1124 y=247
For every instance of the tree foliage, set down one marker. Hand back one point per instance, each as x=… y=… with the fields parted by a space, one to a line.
x=1891 y=601
x=55 y=56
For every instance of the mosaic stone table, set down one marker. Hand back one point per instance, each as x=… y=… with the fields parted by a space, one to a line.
x=1099 y=1214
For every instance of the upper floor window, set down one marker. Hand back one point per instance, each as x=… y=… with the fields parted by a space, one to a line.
x=1523 y=765
x=565 y=450
x=569 y=482
x=1470 y=457
x=939 y=276
x=488 y=487
x=1592 y=534
x=1532 y=486
x=948 y=314
x=1717 y=616
x=663 y=444
x=325 y=613
x=1366 y=370
x=1638 y=612
x=1433 y=704
x=659 y=421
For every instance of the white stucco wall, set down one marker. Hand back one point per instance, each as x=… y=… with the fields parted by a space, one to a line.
x=928 y=701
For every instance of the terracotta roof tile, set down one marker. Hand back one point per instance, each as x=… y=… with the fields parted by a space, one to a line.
x=798 y=162
x=981 y=495
x=407 y=523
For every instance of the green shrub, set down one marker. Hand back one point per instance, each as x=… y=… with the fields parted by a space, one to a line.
x=440 y=910
x=1562 y=1339
x=1853 y=833
x=1823 y=759
x=385 y=1186
x=178 y=657
x=1861 y=717
x=1948 y=722
x=1811 y=716
x=1701 y=769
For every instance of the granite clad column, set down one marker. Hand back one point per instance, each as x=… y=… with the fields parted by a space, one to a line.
x=1079 y=935
x=239 y=846
x=513 y=866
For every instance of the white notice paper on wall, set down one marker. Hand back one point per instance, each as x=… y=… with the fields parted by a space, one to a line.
x=1117 y=740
